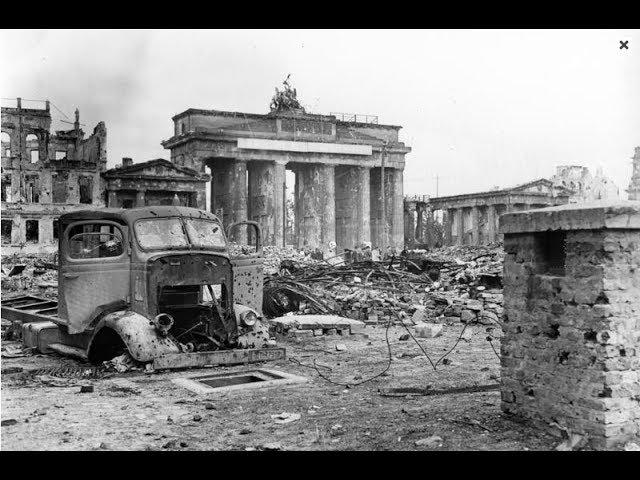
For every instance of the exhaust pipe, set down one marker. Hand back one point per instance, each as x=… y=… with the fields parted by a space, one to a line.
x=163 y=323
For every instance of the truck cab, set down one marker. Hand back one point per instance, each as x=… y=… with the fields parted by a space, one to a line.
x=156 y=281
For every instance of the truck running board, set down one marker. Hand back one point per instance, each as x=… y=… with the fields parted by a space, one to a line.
x=68 y=351
x=219 y=357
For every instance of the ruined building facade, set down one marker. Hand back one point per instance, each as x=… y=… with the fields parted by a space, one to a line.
x=634 y=185
x=348 y=174
x=45 y=175
x=472 y=219
x=584 y=186
x=154 y=182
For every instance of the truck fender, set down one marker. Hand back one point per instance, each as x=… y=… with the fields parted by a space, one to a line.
x=137 y=333
x=256 y=336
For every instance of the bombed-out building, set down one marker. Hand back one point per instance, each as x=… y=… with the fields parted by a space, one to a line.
x=348 y=171
x=584 y=186
x=154 y=182
x=46 y=174
x=472 y=218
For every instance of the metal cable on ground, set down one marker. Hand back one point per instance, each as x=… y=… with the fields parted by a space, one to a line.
x=349 y=385
x=490 y=340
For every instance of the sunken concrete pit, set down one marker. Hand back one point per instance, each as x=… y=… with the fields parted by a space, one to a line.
x=571 y=345
x=243 y=380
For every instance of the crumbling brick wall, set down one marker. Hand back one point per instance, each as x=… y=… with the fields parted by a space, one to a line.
x=571 y=350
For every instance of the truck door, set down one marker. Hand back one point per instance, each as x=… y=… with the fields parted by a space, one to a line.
x=247 y=263
x=94 y=270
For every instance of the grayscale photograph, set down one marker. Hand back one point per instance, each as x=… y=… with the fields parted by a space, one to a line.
x=320 y=240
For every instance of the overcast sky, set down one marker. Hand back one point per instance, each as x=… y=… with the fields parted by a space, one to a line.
x=479 y=108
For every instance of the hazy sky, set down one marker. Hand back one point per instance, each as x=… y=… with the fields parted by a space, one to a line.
x=480 y=108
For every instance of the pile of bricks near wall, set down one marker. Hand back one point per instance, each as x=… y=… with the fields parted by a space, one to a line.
x=569 y=349
x=379 y=308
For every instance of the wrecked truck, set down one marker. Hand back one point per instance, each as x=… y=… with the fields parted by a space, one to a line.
x=157 y=282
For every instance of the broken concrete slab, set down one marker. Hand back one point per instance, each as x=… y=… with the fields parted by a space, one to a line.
x=314 y=322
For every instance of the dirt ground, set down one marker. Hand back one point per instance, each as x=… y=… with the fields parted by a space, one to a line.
x=146 y=411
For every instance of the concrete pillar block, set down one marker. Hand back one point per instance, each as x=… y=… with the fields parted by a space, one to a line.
x=571 y=349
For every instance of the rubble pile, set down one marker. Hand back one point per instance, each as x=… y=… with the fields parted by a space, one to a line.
x=36 y=274
x=469 y=286
x=276 y=258
x=449 y=284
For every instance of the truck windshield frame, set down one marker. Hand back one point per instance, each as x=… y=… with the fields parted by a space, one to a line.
x=167 y=236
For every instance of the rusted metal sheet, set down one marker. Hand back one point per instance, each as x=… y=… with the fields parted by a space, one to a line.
x=247 y=282
x=219 y=357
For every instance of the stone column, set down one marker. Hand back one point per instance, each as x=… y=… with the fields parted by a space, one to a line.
x=491 y=223
x=363 y=219
x=410 y=209
x=395 y=198
x=262 y=189
x=140 y=198
x=419 y=230
x=352 y=206
x=375 y=207
x=448 y=234
x=315 y=200
x=475 y=225
x=459 y=215
x=229 y=193
x=279 y=203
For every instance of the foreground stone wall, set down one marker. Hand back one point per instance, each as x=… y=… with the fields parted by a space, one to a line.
x=571 y=349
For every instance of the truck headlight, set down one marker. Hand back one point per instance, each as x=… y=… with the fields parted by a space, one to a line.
x=248 y=318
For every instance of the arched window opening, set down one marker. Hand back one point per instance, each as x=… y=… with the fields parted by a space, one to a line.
x=33 y=147
x=6 y=144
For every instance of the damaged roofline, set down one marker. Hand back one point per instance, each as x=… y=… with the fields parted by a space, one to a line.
x=257 y=116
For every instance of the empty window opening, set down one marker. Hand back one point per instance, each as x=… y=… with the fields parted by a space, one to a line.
x=553 y=250
x=61 y=154
x=7 y=226
x=32 y=231
x=33 y=147
x=55 y=229
x=59 y=187
x=6 y=188
x=85 y=185
x=32 y=189
x=6 y=140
